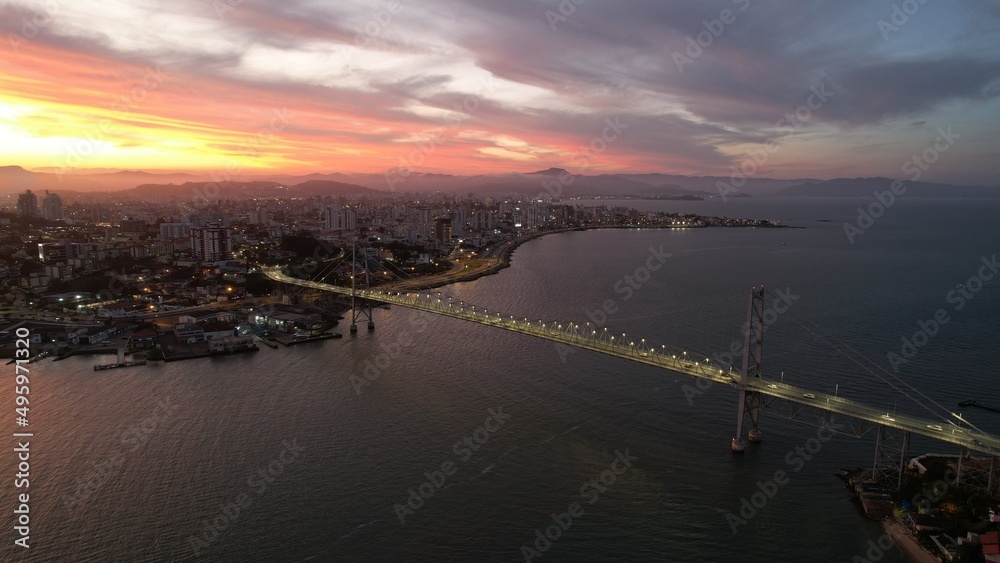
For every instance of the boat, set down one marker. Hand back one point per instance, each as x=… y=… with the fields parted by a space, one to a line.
x=41 y=356
x=101 y=367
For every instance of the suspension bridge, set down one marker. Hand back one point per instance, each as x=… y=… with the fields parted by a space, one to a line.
x=756 y=392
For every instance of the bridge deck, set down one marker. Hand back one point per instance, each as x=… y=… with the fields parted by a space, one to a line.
x=588 y=338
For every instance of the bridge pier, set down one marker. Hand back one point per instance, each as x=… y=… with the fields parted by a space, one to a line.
x=890 y=458
x=364 y=309
x=993 y=484
x=975 y=474
x=962 y=454
x=753 y=350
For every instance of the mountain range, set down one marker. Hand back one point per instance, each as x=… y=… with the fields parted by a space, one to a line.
x=556 y=182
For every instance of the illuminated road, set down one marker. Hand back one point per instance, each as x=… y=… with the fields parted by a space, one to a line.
x=679 y=361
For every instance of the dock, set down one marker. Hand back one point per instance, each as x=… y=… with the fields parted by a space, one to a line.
x=266 y=341
x=974 y=403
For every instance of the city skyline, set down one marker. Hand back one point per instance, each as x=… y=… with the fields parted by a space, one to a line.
x=813 y=91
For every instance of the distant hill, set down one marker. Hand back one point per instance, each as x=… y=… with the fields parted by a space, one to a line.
x=132 y=178
x=14 y=179
x=245 y=189
x=203 y=190
x=329 y=187
x=535 y=182
x=865 y=187
x=548 y=172
x=532 y=182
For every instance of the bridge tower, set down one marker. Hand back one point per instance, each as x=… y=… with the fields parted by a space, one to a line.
x=360 y=309
x=753 y=349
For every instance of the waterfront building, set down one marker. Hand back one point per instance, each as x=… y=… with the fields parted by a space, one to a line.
x=188 y=333
x=143 y=339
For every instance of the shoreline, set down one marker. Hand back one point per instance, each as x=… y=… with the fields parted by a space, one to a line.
x=907 y=544
x=504 y=259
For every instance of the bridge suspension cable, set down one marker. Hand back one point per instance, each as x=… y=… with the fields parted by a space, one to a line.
x=840 y=347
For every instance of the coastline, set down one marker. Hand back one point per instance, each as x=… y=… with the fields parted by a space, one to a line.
x=504 y=258
x=502 y=261
x=907 y=543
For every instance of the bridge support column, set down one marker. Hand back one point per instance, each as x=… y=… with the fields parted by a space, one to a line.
x=362 y=310
x=889 y=468
x=749 y=411
x=753 y=350
x=962 y=454
x=993 y=487
x=978 y=473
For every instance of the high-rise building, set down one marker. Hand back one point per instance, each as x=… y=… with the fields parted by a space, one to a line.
x=340 y=218
x=53 y=252
x=133 y=226
x=482 y=220
x=52 y=207
x=99 y=214
x=442 y=229
x=258 y=217
x=217 y=218
x=211 y=243
x=459 y=219
x=173 y=231
x=27 y=204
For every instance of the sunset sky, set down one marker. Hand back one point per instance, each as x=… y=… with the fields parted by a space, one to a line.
x=472 y=86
